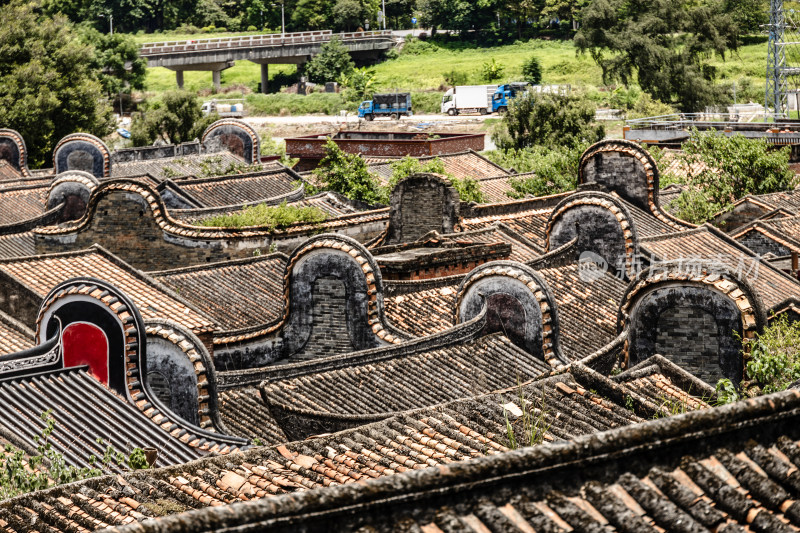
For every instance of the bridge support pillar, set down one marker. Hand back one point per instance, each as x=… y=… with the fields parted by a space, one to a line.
x=216 y=76
x=179 y=78
x=264 y=78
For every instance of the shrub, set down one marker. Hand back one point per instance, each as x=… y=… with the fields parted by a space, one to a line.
x=331 y=63
x=734 y=166
x=492 y=70
x=553 y=120
x=455 y=77
x=267 y=217
x=775 y=355
x=347 y=174
x=532 y=71
x=554 y=170
x=20 y=474
x=469 y=189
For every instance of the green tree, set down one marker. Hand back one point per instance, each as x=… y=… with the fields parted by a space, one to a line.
x=749 y=15
x=176 y=118
x=732 y=167
x=550 y=170
x=312 y=15
x=532 y=71
x=552 y=120
x=347 y=174
x=332 y=62
x=347 y=15
x=48 y=88
x=460 y=15
x=664 y=45
x=117 y=61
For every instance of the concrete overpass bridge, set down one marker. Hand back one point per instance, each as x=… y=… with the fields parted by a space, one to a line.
x=290 y=48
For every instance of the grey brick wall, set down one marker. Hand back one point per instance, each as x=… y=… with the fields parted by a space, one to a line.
x=762 y=245
x=621 y=173
x=329 y=332
x=689 y=337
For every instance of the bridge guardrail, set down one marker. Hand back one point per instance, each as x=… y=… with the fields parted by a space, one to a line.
x=251 y=41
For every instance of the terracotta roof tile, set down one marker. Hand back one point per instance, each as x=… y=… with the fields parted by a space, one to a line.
x=22 y=203
x=14 y=336
x=235 y=294
x=410 y=382
x=42 y=273
x=530 y=223
x=587 y=310
x=244 y=414
x=421 y=308
x=239 y=189
x=432 y=437
x=706 y=243
x=17 y=245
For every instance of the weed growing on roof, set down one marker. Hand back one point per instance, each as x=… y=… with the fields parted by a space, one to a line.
x=532 y=424
x=214 y=166
x=469 y=189
x=20 y=474
x=267 y=217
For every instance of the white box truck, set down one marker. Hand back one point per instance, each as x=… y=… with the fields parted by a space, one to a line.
x=468 y=99
x=224 y=108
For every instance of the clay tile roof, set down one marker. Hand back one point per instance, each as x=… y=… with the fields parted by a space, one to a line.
x=460 y=165
x=788 y=225
x=565 y=405
x=17 y=245
x=333 y=204
x=8 y=172
x=22 y=203
x=789 y=200
x=646 y=223
x=522 y=249
x=707 y=471
x=239 y=189
x=497 y=188
x=421 y=307
x=587 y=310
x=235 y=294
x=14 y=335
x=709 y=243
x=102 y=415
x=172 y=167
x=42 y=273
x=244 y=414
x=530 y=224
x=410 y=382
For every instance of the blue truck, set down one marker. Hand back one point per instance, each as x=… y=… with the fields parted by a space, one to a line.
x=390 y=105
x=505 y=93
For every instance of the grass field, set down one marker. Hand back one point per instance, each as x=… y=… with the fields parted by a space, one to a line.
x=422 y=67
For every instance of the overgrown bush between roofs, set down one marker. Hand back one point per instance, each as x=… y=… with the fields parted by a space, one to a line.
x=732 y=167
x=20 y=474
x=554 y=169
x=774 y=361
x=267 y=217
